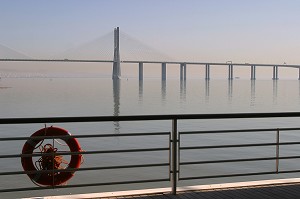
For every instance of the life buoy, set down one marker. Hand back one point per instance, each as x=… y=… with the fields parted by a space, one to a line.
x=50 y=179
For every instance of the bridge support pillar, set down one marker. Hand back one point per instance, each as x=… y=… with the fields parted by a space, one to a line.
x=141 y=71
x=183 y=71
x=163 y=71
x=230 y=72
x=275 y=73
x=207 y=71
x=116 y=64
x=253 y=72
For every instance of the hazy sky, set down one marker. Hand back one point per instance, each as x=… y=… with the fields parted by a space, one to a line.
x=266 y=31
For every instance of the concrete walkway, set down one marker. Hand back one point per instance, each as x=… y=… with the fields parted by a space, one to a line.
x=289 y=191
x=267 y=189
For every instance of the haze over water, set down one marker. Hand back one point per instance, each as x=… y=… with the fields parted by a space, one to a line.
x=57 y=97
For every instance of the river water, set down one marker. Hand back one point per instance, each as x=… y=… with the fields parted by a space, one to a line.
x=63 y=97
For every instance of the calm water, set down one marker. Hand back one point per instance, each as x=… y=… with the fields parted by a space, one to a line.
x=27 y=97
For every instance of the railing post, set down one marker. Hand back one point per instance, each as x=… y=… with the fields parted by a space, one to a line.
x=277 y=151
x=174 y=156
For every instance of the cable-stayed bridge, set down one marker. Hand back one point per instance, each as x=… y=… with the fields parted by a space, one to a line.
x=122 y=48
x=7 y=52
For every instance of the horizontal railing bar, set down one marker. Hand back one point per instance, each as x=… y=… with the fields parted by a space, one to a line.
x=83 y=169
x=121 y=167
x=84 y=136
x=123 y=135
x=146 y=117
x=238 y=131
x=146 y=150
x=146 y=134
x=236 y=145
x=289 y=143
x=238 y=160
x=84 y=152
x=290 y=171
x=226 y=146
x=84 y=185
x=145 y=165
x=238 y=175
x=227 y=175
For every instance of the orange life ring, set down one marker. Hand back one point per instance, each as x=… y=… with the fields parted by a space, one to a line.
x=48 y=179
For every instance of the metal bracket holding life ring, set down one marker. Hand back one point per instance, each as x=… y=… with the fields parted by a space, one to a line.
x=50 y=178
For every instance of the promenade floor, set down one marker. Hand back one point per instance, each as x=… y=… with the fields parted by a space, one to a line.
x=286 y=191
x=264 y=189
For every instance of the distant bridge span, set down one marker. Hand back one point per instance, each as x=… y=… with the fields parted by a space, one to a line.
x=164 y=65
x=149 y=62
x=116 y=72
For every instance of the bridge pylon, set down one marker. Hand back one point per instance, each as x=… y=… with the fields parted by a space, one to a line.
x=116 y=64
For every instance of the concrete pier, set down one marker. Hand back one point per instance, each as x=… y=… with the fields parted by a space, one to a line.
x=141 y=71
x=253 y=72
x=207 y=71
x=230 y=72
x=116 y=74
x=163 y=71
x=183 y=71
x=275 y=73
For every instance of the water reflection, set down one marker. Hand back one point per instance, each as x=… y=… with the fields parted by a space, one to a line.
x=182 y=89
x=141 y=90
x=207 y=91
x=252 y=98
x=275 y=86
x=299 y=89
x=230 y=88
x=116 y=96
x=163 y=90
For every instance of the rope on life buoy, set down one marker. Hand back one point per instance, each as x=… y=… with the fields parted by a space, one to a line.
x=49 y=160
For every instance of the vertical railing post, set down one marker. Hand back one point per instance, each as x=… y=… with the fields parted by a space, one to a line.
x=53 y=157
x=277 y=151
x=174 y=156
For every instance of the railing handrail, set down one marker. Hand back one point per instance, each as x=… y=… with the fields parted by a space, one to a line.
x=146 y=117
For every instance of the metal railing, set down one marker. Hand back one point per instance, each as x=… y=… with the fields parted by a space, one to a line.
x=173 y=146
